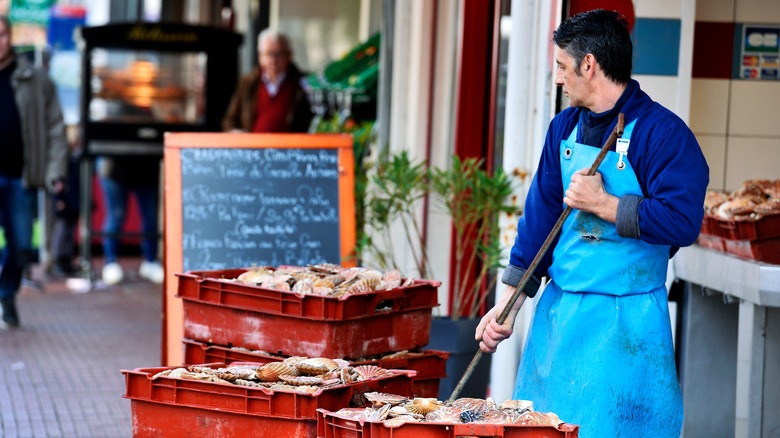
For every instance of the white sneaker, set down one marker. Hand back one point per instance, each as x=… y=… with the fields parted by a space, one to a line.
x=112 y=274
x=152 y=271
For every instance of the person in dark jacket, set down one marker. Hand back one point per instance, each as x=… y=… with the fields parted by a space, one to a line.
x=34 y=153
x=121 y=176
x=271 y=98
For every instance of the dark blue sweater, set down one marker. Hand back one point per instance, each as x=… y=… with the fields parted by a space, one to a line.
x=669 y=164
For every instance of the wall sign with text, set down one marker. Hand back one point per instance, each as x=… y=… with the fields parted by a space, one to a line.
x=760 y=55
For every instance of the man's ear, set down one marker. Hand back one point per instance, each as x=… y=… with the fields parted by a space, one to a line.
x=589 y=65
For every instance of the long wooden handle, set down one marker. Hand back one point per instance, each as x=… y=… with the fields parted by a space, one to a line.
x=617 y=132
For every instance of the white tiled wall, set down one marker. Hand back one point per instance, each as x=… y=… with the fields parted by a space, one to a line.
x=751 y=158
x=662 y=89
x=736 y=121
x=709 y=106
x=721 y=11
x=657 y=8
x=754 y=109
x=757 y=11
x=714 y=149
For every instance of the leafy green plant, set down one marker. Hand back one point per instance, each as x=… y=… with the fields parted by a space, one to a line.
x=474 y=199
x=397 y=187
x=471 y=196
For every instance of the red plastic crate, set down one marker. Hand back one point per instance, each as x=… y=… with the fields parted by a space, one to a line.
x=168 y=406
x=709 y=226
x=767 y=227
x=712 y=242
x=220 y=311
x=767 y=251
x=329 y=425
x=430 y=365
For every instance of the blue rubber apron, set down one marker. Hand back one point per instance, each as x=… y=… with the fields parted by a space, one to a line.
x=599 y=351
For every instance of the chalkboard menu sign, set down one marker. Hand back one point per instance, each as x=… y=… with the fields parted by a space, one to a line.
x=259 y=207
x=243 y=200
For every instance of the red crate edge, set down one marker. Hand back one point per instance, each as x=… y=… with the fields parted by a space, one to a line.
x=216 y=287
x=330 y=425
x=253 y=401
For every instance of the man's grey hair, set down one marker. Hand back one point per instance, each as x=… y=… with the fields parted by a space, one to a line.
x=274 y=34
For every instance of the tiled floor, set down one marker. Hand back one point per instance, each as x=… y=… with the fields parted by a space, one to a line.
x=60 y=371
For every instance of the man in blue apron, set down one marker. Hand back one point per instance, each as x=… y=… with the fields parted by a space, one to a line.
x=599 y=351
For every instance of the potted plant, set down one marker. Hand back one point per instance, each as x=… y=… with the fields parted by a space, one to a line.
x=474 y=199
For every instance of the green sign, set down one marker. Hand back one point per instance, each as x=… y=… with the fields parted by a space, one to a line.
x=30 y=11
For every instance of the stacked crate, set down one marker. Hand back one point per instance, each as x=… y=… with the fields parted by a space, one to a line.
x=170 y=406
x=754 y=239
x=227 y=322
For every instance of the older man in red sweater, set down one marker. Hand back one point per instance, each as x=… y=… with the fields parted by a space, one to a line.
x=271 y=98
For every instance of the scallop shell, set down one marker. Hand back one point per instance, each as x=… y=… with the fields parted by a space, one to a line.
x=400 y=420
x=281 y=386
x=305 y=286
x=322 y=286
x=398 y=410
x=254 y=276
x=539 y=419
x=349 y=273
x=379 y=414
x=200 y=370
x=346 y=376
x=517 y=405
x=445 y=414
x=326 y=268
x=364 y=285
x=380 y=398
x=315 y=366
x=335 y=279
x=301 y=380
x=294 y=360
x=391 y=280
x=368 y=372
x=473 y=404
x=205 y=377
x=271 y=371
x=305 y=275
x=424 y=406
x=232 y=373
x=277 y=283
x=250 y=383
x=306 y=389
x=332 y=382
x=370 y=273
x=506 y=416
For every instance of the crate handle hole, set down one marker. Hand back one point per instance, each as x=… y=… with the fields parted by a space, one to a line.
x=384 y=306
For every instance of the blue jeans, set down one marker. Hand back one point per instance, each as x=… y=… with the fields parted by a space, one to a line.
x=17 y=208
x=116 y=195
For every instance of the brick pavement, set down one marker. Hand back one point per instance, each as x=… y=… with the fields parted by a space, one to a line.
x=60 y=371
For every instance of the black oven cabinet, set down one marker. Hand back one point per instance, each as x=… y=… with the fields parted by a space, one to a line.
x=162 y=47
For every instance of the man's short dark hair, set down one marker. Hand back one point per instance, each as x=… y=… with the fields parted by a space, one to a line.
x=602 y=33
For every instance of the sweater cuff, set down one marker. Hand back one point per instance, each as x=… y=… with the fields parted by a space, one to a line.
x=627 y=219
x=513 y=275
